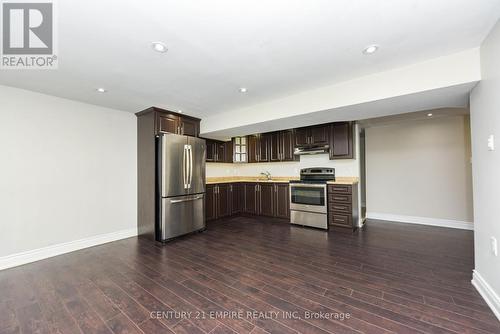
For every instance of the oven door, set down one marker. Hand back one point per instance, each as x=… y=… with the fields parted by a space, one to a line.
x=308 y=197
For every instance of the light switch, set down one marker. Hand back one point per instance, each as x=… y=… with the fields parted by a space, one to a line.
x=491 y=143
x=494 y=245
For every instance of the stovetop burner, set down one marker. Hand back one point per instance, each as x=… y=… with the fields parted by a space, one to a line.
x=316 y=175
x=310 y=181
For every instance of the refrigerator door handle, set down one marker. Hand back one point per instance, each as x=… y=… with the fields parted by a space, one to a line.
x=190 y=150
x=185 y=167
x=195 y=198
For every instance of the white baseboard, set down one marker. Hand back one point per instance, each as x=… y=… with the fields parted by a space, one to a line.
x=421 y=220
x=18 y=259
x=487 y=292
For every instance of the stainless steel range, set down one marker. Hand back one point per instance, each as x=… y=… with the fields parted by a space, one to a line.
x=308 y=201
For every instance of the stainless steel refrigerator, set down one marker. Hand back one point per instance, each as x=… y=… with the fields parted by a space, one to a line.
x=181 y=185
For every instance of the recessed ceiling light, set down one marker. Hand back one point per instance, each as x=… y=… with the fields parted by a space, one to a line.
x=159 y=47
x=429 y=115
x=243 y=90
x=101 y=90
x=179 y=111
x=370 y=49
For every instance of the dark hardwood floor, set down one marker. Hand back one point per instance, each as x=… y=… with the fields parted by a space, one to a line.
x=255 y=275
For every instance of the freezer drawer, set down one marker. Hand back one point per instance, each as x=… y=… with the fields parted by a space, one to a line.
x=313 y=219
x=181 y=215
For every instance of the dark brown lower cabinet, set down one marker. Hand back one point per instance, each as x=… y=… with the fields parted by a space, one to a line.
x=210 y=202
x=253 y=198
x=250 y=192
x=282 y=200
x=343 y=206
x=236 y=198
x=266 y=195
x=224 y=200
x=218 y=201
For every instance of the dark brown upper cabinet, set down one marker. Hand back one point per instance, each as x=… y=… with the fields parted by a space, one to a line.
x=211 y=151
x=258 y=147
x=252 y=148
x=189 y=126
x=341 y=141
x=312 y=135
x=281 y=145
x=320 y=134
x=264 y=147
x=302 y=136
x=172 y=122
x=168 y=123
x=219 y=151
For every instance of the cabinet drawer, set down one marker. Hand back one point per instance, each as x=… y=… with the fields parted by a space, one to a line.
x=340 y=219
x=340 y=188
x=340 y=198
x=347 y=208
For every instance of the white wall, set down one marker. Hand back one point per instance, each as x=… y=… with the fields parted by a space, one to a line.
x=420 y=169
x=67 y=171
x=485 y=121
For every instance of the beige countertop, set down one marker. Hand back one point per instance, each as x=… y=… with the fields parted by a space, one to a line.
x=276 y=179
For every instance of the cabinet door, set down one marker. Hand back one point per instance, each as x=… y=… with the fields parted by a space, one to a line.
x=319 y=135
x=282 y=200
x=211 y=151
x=168 y=123
x=223 y=200
x=301 y=136
x=210 y=202
x=250 y=191
x=341 y=143
x=221 y=152
x=266 y=198
x=263 y=144
x=228 y=151
x=236 y=198
x=189 y=127
x=275 y=146
x=252 y=148
x=286 y=144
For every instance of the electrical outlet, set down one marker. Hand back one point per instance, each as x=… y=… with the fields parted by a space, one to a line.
x=491 y=143
x=494 y=245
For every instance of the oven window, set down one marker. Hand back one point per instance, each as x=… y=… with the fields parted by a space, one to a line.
x=309 y=196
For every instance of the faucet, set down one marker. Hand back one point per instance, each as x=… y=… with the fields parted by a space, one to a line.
x=267 y=174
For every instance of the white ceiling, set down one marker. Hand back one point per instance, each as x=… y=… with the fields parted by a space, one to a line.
x=274 y=48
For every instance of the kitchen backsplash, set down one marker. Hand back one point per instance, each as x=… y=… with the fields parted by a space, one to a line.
x=348 y=167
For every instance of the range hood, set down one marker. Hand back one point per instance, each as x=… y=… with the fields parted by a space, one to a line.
x=311 y=150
